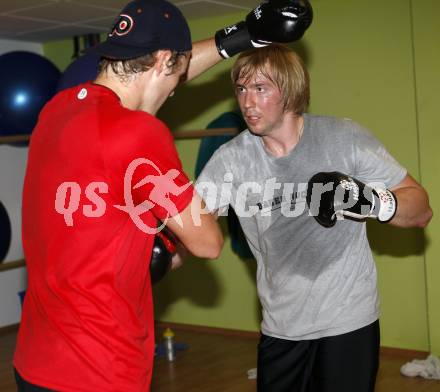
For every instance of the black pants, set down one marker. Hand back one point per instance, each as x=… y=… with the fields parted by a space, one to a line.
x=343 y=363
x=24 y=386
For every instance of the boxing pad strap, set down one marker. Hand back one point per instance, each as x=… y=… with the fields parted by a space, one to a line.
x=168 y=241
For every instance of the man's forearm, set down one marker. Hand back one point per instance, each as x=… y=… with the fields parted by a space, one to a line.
x=413 y=208
x=204 y=56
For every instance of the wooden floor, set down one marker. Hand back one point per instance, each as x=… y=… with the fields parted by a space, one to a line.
x=215 y=362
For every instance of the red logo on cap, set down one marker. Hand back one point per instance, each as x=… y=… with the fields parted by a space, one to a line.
x=123 y=25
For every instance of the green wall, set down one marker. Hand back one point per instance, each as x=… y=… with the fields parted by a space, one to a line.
x=361 y=66
x=377 y=63
x=426 y=29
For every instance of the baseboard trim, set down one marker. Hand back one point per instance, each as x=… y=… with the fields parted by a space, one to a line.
x=384 y=350
x=210 y=330
x=403 y=352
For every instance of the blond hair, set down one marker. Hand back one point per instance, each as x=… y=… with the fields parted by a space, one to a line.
x=283 y=67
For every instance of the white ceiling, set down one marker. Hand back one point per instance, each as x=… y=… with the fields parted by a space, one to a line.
x=47 y=20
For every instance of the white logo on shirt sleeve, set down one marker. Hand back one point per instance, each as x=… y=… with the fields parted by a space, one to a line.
x=82 y=94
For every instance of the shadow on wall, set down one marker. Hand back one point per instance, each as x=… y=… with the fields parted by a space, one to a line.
x=191 y=100
x=394 y=241
x=199 y=283
x=195 y=281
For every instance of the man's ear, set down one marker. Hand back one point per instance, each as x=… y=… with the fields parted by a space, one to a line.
x=162 y=58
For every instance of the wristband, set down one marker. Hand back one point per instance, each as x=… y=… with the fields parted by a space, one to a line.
x=385 y=204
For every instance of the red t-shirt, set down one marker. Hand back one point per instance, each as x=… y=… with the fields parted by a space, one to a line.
x=87 y=322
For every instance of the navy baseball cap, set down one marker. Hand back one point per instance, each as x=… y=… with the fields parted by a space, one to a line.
x=143 y=27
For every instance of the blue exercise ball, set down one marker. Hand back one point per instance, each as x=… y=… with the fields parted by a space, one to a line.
x=5 y=232
x=27 y=82
x=83 y=69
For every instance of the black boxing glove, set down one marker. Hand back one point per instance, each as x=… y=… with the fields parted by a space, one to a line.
x=279 y=21
x=164 y=248
x=334 y=194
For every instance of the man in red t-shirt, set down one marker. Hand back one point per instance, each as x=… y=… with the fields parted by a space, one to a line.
x=96 y=155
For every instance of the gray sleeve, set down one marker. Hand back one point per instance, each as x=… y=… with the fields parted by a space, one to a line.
x=214 y=182
x=373 y=163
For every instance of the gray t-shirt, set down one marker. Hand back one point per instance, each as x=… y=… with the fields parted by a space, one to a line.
x=312 y=281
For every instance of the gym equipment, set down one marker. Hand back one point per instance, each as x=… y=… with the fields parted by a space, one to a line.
x=82 y=70
x=27 y=82
x=163 y=250
x=5 y=232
